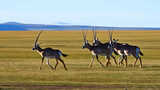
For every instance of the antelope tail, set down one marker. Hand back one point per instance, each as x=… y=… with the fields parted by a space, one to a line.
x=141 y=53
x=64 y=55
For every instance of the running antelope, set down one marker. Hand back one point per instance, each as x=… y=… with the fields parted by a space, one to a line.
x=49 y=53
x=96 y=51
x=125 y=50
x=97 y=42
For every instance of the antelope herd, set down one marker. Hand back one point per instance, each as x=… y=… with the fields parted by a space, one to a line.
x=97 y=48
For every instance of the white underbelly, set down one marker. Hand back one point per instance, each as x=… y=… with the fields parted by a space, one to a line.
x=119 y=52
x=93 y=53
x=127 y=53
x=102 y=54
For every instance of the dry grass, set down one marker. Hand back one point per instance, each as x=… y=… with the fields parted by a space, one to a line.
x=20 y=65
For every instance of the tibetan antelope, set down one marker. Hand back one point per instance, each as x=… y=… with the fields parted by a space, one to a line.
x=49 y=53
x=124 y=50
x=106 y=45
x=96 y=51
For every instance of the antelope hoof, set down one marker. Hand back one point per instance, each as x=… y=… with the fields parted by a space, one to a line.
x=107 y=65
x=66 y=69
x=53 y=68
x=140 y=66
x=40 y=68
x=90 y=66
x=103 y=66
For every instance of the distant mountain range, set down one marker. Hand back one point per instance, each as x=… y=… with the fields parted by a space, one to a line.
x=15 y=26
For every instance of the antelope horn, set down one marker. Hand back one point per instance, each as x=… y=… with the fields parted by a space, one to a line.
x=110 y=35
x=37 y=37
x=94 y=33
x=84 y=35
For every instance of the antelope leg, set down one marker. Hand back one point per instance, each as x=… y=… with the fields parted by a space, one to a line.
x=99 y=61
x=49 y=64
x=41 y=63
x=91 y=63
x=63 y=64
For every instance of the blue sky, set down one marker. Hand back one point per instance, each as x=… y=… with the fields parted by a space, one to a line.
x=128 y=13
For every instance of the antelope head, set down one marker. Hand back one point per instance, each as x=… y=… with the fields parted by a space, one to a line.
x=36 y=45
x=113 y=41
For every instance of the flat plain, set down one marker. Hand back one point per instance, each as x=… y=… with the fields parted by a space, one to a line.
x=19 y=65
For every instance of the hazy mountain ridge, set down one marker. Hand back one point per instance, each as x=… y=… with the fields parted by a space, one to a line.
x=15 y=26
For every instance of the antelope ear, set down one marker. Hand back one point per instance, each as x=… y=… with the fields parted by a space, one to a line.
x=86 y=41
x=97 y=38
x=37 y=45
x=110 y=42
x=114 y=40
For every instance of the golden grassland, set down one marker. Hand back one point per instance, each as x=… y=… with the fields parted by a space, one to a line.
x=19 y=65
